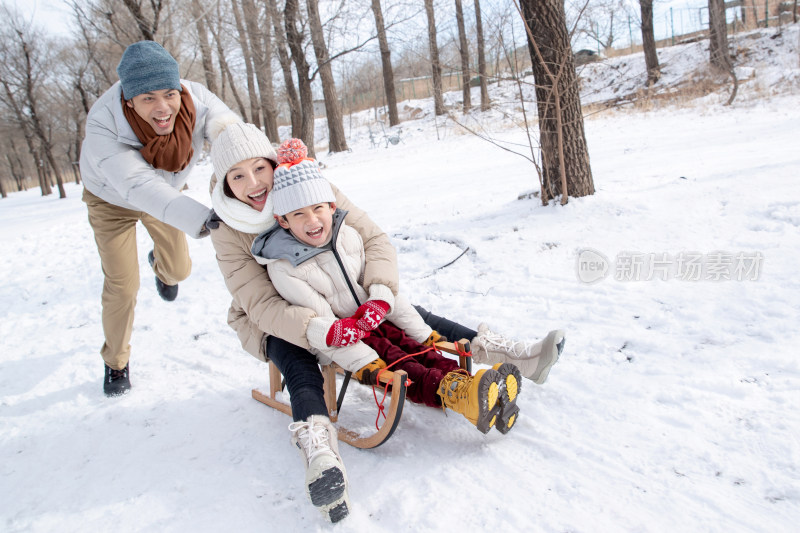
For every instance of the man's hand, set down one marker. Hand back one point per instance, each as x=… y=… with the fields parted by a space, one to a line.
x=213 y=220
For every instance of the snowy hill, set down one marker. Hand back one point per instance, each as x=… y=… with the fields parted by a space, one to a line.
x=673 y=408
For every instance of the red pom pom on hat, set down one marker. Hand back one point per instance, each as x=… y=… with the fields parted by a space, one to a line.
x=292 y=151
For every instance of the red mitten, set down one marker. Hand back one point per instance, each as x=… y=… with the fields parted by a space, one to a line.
x=370 y=314
x=344 y=332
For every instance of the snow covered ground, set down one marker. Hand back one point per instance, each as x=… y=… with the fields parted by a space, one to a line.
x=673 y=408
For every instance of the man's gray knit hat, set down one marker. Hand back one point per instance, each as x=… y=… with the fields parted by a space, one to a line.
x=298 y=181
x=145 y=66
x=236 y=143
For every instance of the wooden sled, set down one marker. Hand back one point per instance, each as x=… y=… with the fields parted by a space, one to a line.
x=394 y=411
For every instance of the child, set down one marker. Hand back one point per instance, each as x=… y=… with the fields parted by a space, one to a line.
x=316 y=260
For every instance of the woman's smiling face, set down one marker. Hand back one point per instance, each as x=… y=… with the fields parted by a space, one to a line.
x=251 y=181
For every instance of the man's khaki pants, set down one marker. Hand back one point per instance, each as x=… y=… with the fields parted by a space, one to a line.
x=115 y=234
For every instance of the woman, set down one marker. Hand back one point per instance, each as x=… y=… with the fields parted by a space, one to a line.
x=271 y=329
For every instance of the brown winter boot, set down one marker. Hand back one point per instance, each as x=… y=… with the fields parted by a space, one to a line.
x=475 y=397
x=368 y=374
x=433 y=338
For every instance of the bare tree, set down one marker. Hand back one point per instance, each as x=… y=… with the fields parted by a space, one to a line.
x=718 y=35
x=718 y=43
x=292 y=98
x=565 y=156
x=22 y=124
x=333 y=110
x=294 y=38
x=386 y=63
x=23 y=69
x=226 y=71
x=463 y=48
x=649 y=42
x=147 y=26
x=199 y=14
x=14 y=161
x=436 y=67
x=76 y=81
x=485 y=103
x=261 y=46
x=599 y=21
x=255 y=108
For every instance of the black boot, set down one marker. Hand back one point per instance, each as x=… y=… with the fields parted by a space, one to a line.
x=167 y=292
x=116 y=382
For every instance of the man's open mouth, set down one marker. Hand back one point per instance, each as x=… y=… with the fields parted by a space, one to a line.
x=162 y=122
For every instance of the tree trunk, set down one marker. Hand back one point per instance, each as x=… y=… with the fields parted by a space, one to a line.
x=333 y=109
x=436 y=67
x=386 y=64
x=205 y=48
x=295 y=40
x=718 y=43
x=226 y=72
x=293 y=100
x=649 y=42
x=263 y=66
x=485 y=102
x=77 y=147
x=44 y=182
x=464 y=50
x=38 y=129
x=25 y=130
x=718 y=36
x=561 y=135
x=16 y=166
x=255 y=108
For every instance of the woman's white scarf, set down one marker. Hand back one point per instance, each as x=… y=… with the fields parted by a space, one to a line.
x=240 y=216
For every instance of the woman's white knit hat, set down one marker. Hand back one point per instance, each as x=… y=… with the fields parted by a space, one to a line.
x=238 y=142
x=234 y=141
x=298 y=181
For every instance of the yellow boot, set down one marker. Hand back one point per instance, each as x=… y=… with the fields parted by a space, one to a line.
x=475 y=397
x=510 y=385
x=368 y=374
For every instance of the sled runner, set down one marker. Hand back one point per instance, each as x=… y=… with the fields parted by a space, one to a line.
x=397 y=381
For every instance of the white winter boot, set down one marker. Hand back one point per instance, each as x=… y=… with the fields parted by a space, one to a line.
x=326 y=478
x=533 y=360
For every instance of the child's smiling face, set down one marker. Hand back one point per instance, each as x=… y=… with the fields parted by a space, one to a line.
x=311 y=224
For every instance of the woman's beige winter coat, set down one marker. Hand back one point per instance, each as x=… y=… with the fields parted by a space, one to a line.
x=257 y=308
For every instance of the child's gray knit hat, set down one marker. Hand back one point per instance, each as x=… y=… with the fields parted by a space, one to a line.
x=145 y=66
x=298 y=181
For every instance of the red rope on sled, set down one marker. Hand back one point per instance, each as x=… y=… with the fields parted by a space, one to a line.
x=460 y=351
x=381 y=408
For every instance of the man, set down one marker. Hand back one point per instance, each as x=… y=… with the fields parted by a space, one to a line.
x=143 y=137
